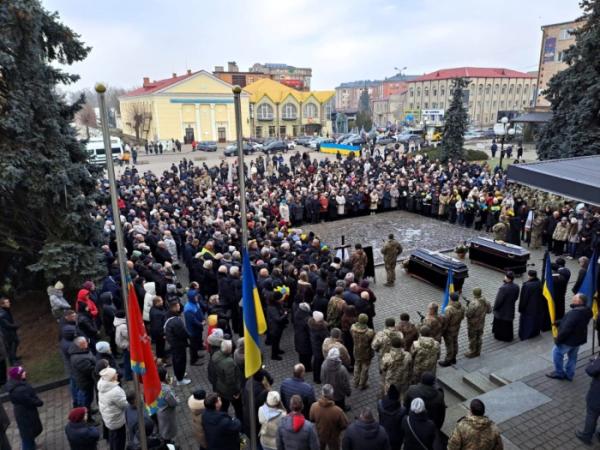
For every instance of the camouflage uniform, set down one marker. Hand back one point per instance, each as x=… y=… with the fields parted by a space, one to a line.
x=454 y=315
x=436 y=324
x=390 y=251
x=362 y=336
x=335 y=309
x=383 y=342
x=410 y=333
x=395 y=366
x=425 y=353
x=500 y=231
x=475 y=433
x=476 y=312
x=537 y=229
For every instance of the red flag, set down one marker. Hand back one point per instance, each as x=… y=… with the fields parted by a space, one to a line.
x=142 y=359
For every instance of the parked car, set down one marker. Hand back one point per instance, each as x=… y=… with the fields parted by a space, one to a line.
x=472 y=134
x=342 y=138
x=355 y=140
x=232 y=150
x=385 y=140
x=316 y=142
x=489 y=133
x=275 y=146
x=410 y=139
x=206 y=146
x=303 y=140
x=291 y=145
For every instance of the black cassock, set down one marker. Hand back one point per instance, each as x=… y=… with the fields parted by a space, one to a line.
x=531 y=307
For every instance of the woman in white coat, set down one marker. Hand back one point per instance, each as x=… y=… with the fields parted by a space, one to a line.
x=150 y=289
x=340 y=199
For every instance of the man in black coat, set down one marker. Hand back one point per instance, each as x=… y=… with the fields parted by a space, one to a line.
x=531 y=307
x=178 y=339
x=222 y=432
x=9 y=328
x=560 y=279
x=592 y=403
x=583 y=265
x=432 y=395
x=83 y=364
x=504 y=309
x=572 y=333
x=365 y=433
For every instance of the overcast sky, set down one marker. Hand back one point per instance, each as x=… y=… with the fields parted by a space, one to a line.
x=341 y=40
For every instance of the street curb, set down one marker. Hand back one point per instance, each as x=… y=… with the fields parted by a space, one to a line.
x=40 y=388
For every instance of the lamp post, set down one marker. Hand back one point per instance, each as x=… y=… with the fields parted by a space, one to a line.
x=506 y=129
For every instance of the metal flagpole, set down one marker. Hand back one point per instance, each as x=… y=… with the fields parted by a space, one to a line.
x=110 y=169
x=244 y=224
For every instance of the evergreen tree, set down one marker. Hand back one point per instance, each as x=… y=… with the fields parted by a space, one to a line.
x=574 y=95
x=47 y=190
x=363 y=116
x=455 y=125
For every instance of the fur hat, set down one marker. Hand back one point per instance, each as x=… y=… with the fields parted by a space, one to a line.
x=273 y=399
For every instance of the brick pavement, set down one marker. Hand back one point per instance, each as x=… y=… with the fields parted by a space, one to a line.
x=410 y=295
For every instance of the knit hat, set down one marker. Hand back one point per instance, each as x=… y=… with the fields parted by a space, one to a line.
x=304 y=307
x=273 y=398
x=428 y=378
x=417 y=406
x=318 y=316
x=333 y=353
x=77 y=414
x=477 y=292
x=390 y=322
x=393 y=393
x=15 y=373
x=363 y=318
x=199 y=394
x=108 y=374
x=103 y=347
x=59 y=286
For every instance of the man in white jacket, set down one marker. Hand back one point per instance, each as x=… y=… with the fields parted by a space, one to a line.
x=112 y=402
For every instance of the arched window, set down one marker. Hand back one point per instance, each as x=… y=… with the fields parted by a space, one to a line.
x=511 y=89
x=264 y=112
x=496 y=86
x=442 y=91
x=426 y=91
x=412 y=92
x=518 y=89
x=488 y=88
x=289 y=111
x=310 y=111
x=503 y=89
x=434 y=92
x=418 y=92
x=480 y=89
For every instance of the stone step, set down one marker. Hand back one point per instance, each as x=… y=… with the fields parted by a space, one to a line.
x=451 y=379
x=498 y=380
x=453 y=414
x=479 y=382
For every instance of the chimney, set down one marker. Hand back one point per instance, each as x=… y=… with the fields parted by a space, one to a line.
x=232 y=66
x=174 y=75
x=219 y=69
x=146 y=81
x=189 y=71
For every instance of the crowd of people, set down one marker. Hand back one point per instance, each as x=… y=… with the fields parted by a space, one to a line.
x=187 y=220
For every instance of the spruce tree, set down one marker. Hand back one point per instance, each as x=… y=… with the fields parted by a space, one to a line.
x=455 y=125
x=47 y=191
x=574 y=95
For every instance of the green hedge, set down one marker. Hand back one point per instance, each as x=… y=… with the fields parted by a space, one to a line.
x=470 y=154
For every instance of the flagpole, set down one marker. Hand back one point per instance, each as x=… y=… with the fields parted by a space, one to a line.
x=244 y=224
x=110 y=169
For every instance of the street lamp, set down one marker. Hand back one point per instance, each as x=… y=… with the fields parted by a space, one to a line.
x=503 y=131
x=400 y=70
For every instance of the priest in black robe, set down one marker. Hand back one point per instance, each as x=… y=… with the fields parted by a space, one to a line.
x=531 y=307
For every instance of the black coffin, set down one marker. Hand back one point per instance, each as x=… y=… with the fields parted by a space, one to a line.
x=433 y=268
x=498 y=256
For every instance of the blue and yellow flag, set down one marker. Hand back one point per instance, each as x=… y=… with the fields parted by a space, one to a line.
x=254 y=318
x=589 y=288
x=548 y=292
x=448 y=291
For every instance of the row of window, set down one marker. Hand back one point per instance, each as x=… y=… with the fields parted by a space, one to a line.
x=289 y=111
x=494 y=104
x=297 y=130
x=511 y=88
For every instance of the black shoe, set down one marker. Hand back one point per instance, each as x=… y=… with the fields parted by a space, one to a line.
x=555 y=376
x=583 y=438
x=445 y=363
x=347 y=408
x=276 y=357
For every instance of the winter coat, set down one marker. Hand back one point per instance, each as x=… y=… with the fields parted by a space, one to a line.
x=302 y=332
x=335 y=374
x=362 y=435
x=83 y=364
x=561 y=232
x=276 y=320
x=222 y=431
x=167 y=423
x=150 y=289
x=420 y=425
x=121 y=333
x=112 y=403
x=318 y=333
x=157 y=322
x=228 y=377
x=362 y=336
x=87 y=326
x=25 y=407
x=297 y=433
x=269 y=419
x=391 y=413
x=475 y=433
x=297 y=386
x=82 y=436
x=192 y=312
x=433 y=397
x=197 y=409
x=58 y=303
x=330 y=343
x=504 y=306
x=330 y=421
x=593 y=395
x=572 y=329
x=175 y=332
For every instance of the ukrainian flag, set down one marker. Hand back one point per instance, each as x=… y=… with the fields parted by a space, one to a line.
x=589 y=288
x=548 y=292
x=448 y=291
x=254 y=318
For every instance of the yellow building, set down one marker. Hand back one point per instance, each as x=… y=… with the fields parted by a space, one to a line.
x=277 y=110
x=194 y=106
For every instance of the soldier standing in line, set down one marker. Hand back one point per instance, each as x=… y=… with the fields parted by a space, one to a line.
x=362 y=336
x=395 y=366
x=425 y=353
x=390 y=251
x=454 y=315
x=475 y=431
x=476 y=311
x=409 y=331
x=383 y=339
x=434 y=322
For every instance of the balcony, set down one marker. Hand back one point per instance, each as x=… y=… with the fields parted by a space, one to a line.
x=289 y=117
x=265 y=117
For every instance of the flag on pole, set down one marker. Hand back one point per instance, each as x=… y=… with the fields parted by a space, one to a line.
x=254 y=318
x=548 y=292
x=589 y=288
x=448 y=291
x=142 y=359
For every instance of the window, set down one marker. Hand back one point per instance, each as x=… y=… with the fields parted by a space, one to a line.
x=480 y=89
x=494 y=104
x=524 y=102
x=479 y=105
x=442 y=91
x=418 y=92
x=265 y=112
x=518 y=89
x=289 y=111
x=258 y=132
x=410 y=106
x=511 y=89
x=328 y=107
x=282 y=131
x=434 y=105
x=487 y=88
x=501 y=104
x=496 y=86
x=565 y=33
x=426 y=92
x=426 y=105
x=271 y=130
x=525 y=89
x=561 y=56
x=434 y=92
x=470 y=105
x=310 y=111
x=412 y=92
x=503 y=89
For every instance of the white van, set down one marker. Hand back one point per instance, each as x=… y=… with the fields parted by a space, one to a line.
x=96 y=153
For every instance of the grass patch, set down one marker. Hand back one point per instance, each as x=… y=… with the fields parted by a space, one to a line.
x=45 y=368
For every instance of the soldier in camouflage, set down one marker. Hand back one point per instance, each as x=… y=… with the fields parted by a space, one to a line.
x=390 y=251
x=409 y=331
x=434 y=322
x=383 y=339
x=396 y=367
x=475 y=431
x=476 y=312
x=362 y=336
x=425 y=353
x=454 y=315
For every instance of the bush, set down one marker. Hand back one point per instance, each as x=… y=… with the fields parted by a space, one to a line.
x=470 y=155
x=476 y=155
